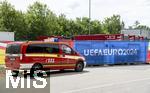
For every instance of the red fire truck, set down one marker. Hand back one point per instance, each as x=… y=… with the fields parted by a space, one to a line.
x=43 y=55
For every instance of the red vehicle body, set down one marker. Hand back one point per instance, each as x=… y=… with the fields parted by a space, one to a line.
x=43 y=55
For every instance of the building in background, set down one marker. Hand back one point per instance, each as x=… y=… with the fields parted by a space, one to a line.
x=136 y=32
x=6 y=36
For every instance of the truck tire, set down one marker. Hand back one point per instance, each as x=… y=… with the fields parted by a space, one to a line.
x=79 y=67
x=34 y=68
x=15 y=73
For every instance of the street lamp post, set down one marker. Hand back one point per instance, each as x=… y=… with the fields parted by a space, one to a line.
x=89 y=17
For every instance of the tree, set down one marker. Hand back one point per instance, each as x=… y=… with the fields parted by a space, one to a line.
x=112 y=25
x=21 y=28
x=52 y=24
x=12 y=20
x=38 y=17
x=83 y=24
x=64 y=25
x=144 y=27
x=136 y=24
x=8 y=16
x=96 y=27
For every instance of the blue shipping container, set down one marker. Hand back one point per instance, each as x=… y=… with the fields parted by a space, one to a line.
x=112 y=52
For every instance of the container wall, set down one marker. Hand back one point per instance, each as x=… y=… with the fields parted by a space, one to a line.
x=129 y=51
x=148 y=53
x=100 y=37
x=93 y=52
x=112 y=52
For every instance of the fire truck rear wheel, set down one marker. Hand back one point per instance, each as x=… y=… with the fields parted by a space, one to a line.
x=61 y=70
x=79 y=67
x=15 y=73
x=35 y=68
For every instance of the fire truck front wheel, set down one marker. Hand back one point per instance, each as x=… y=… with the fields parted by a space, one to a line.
x=36 y=67
x=79 y=67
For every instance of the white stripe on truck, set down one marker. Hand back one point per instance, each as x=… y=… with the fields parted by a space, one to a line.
x=3 y=44
x=22 y=66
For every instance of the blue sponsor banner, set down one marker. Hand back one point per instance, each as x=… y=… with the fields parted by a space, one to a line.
x=112 y=52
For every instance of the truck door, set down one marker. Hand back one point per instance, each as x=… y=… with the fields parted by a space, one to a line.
x=68 y=57
x=53 y=59
x=34 y=54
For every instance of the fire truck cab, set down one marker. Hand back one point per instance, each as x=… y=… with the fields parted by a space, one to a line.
x=43 y=55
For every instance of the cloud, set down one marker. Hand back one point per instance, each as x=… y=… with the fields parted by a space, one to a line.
x=74 y=5
x=147 y=1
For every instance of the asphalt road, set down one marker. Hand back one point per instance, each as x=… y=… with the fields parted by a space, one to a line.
x=107 y=79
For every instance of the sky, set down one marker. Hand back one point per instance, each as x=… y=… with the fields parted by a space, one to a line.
x=129 y=10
